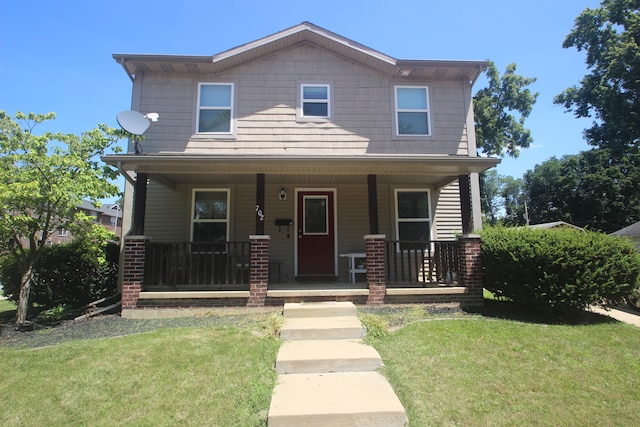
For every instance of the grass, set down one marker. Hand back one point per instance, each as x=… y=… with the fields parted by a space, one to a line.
x=487 y=372
x=7 y=309
x=480 y=369
x=189 y=376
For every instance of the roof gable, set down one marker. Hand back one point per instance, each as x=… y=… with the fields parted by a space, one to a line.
x=304 y=33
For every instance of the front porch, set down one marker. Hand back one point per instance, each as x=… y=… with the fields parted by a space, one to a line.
x=181 y=278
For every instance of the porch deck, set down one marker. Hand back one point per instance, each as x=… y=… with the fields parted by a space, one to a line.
x=160 y=283
x=306 y=290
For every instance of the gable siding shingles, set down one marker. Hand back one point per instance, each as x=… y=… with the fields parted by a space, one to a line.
x=363 y=109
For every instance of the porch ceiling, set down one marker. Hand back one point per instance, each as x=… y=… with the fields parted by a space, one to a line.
x=199 y=169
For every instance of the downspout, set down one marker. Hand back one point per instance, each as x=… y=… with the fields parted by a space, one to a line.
x=126 y=174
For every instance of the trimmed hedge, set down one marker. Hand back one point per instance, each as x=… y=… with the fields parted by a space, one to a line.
x=558 y=270
x=71 y=274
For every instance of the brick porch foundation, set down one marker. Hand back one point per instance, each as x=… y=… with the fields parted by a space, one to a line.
x=258 y=270
x=470 y=276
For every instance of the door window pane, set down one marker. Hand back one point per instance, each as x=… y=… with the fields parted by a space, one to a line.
x=315 y=215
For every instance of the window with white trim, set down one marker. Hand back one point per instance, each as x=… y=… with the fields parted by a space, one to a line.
x=413 y=215
x=412 y=110
x=210 y=215
x=215 y=108
x=315 y=100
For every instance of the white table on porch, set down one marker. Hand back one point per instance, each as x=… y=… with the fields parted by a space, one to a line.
x=354 y=263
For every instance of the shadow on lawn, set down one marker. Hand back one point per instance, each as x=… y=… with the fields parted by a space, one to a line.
x=500 y=309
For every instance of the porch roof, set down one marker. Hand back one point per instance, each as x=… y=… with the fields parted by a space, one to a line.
x=193 y=169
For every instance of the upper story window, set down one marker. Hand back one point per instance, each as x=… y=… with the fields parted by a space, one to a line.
x=314 y=102
x=215 y=108
x=412 y=110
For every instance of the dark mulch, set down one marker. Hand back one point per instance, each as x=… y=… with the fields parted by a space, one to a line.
x=112 y=325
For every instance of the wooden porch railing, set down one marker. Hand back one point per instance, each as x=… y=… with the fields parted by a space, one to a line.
x=197 y=264
x=419 y=263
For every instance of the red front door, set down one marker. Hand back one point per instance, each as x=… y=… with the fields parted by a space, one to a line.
x=316 y=239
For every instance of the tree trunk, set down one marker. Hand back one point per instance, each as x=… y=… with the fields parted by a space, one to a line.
x=23 y=301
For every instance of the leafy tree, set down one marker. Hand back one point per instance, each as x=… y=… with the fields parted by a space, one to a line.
x=490 y=189
x=593 y=189
x=501 y=110
x=550 y=189
x=502 y=199
x=610 y=36
x=42 y=180
x=514 y=202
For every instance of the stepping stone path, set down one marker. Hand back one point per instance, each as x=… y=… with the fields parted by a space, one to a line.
x=326 y=375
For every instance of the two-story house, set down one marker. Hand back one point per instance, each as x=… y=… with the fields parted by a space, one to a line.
x=300 y=166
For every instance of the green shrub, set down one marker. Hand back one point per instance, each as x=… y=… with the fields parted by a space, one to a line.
x=72 y=274
x=558 y=270
x=54 y=314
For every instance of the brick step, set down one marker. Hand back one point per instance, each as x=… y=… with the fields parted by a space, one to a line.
x=324 y=356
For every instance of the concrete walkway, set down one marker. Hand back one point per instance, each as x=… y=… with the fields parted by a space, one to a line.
x=327 y=376
x=622 y=314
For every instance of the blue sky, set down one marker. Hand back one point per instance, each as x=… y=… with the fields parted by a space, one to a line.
x=56 y=56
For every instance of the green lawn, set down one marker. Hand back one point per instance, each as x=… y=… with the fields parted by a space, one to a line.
x=467 y=370
x=188 y=377
x=7 y=309
x=485 y=372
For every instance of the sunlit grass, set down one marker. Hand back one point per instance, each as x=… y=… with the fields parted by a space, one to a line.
x=191 y=376
x=501 y=373
x=7 y=309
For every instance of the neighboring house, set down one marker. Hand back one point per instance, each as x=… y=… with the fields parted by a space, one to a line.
x=108 y=215
x=556 y=225
x=632 y=231
x=301 y=166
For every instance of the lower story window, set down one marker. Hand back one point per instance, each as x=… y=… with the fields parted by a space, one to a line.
x=210 y=215
x=413 y=215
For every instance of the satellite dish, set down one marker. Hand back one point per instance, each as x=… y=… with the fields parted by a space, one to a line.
x=133 y=122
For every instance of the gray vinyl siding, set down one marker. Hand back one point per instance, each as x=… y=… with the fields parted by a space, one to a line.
x=169 y=216
x=448 y=218
x=266 y=92
x=167 y=213
x=266 y=97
